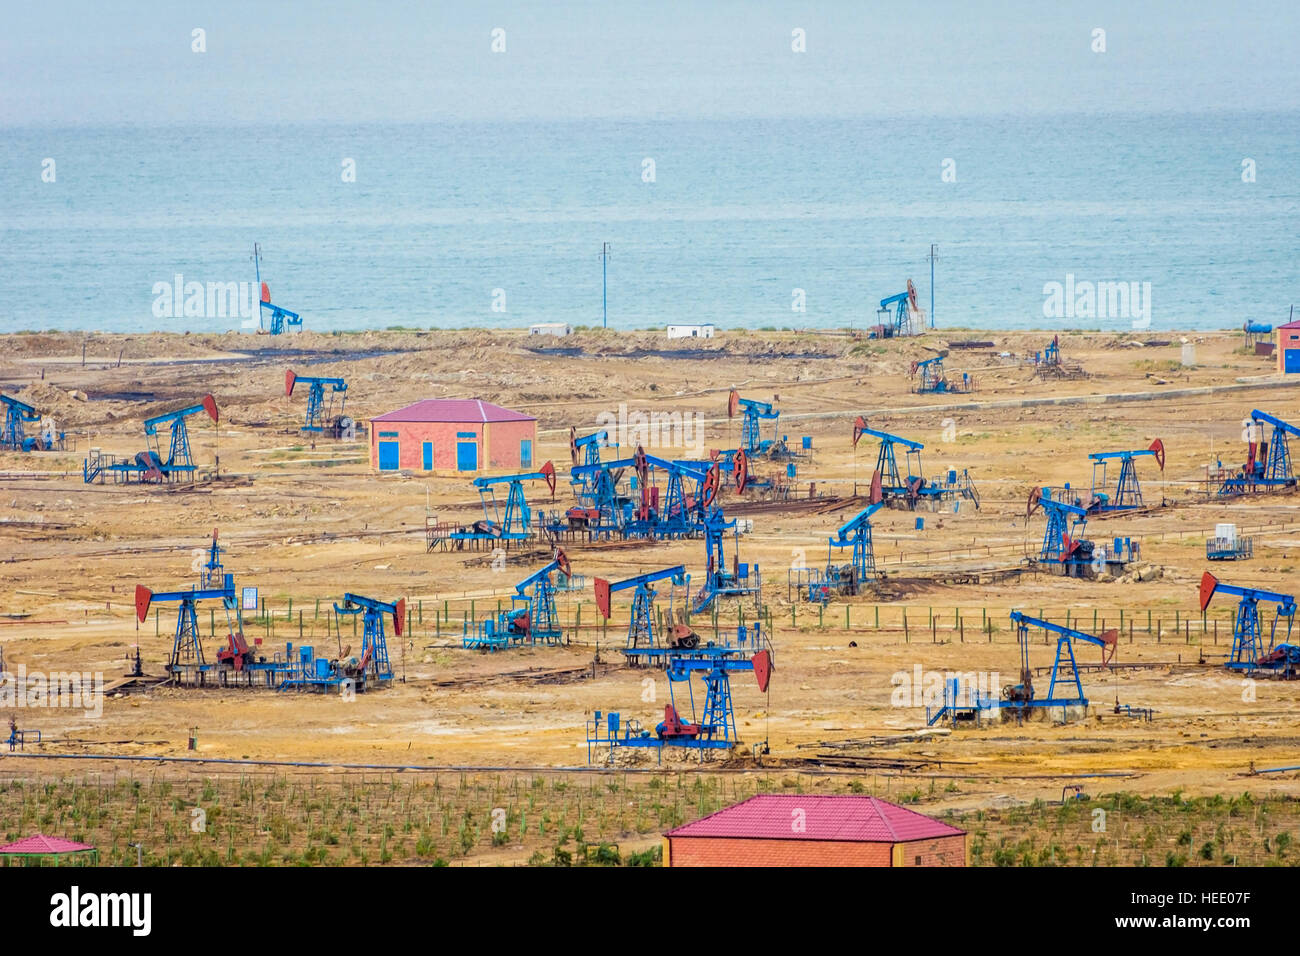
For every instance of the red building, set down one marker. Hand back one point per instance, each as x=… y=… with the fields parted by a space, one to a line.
x=1288 y=347
x=453 y=435
x=804 y=830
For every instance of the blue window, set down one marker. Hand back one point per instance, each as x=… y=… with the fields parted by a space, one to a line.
x=388 y=455
x=526 y=453
x=428 y=456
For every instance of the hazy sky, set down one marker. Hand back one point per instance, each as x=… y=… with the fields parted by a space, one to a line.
x=99 y=61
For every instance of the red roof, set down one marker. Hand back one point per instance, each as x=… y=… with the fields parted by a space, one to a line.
x=824 y=817
x=1290 y=325
x=39 y=843
x=454 y=410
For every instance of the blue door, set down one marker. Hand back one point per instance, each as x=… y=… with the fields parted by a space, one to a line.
x=388 y=456
x=428 y=456
x=1292 y=360
x=467 y=456
x=526 y=453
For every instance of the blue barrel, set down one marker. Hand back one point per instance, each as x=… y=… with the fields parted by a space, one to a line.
x=920 y=524
x=807 y=442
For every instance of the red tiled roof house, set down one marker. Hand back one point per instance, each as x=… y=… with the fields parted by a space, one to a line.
x=453 y=435
x=804 y=830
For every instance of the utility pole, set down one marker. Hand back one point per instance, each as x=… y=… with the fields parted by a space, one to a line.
x=257 y=289
x=932 y=257
x=604 y=283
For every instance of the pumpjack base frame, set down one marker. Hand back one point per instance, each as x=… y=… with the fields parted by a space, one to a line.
x=646 y=740
x=482 y=640
x=269 y=675
x=1022 y=710
x=1078 y=569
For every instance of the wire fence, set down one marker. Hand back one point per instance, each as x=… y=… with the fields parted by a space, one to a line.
x=447 y=622
x=992 y=624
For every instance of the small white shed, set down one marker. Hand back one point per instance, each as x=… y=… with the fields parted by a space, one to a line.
x=691 y=331
x=550 y=328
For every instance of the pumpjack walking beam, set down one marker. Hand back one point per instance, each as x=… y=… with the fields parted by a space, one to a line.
x=213 y=574
x=856 y=534
x=903 y=306
x=179 y=461
x=814 y=584
x=1021 y=696
x=1052 y=354
x=689 y=491
x=934 y=379
x=537 y=591
x=187 y=660
x=754 y=412
x=1128 y=492
x=318 y=415
x=1249 y=642
x=1268 y=463
x=642 y=639
x=18 y=414
x=739 y=582
x=715 y=726
x=499 y=525
x=888 y=483
x=375 y=663
x=585 y=450
x=886 y=480
x=280 y=317
x=1061 y=541
x=532 y=617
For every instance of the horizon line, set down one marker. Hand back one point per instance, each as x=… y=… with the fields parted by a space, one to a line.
x=665 y=118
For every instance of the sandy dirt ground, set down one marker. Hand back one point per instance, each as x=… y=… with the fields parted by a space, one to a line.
x=307 y=521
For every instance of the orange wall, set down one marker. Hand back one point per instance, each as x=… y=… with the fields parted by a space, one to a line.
x=501 y=440
x=941 y=851
x=1286 y=339
x=723 y=851
x=504 y=439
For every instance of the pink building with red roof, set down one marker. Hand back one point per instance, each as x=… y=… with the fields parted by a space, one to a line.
x=456 y=435
x=807 y=830
x=1288 y=347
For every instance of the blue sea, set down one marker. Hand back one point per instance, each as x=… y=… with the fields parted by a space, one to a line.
x=447 y=224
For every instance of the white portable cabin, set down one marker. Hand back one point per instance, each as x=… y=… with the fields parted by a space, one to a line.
x=550 y=328
x=691 y=331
